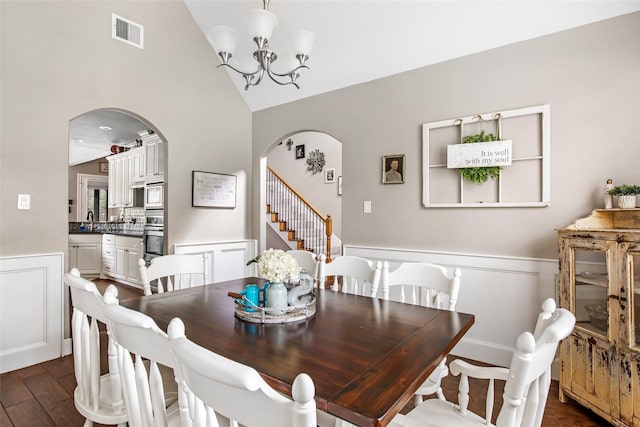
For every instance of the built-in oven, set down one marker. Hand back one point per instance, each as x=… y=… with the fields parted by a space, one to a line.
x=154 y=196
x=153 y=234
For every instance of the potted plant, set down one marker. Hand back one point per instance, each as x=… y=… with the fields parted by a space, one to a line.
x=480 y=174
x=626 y=195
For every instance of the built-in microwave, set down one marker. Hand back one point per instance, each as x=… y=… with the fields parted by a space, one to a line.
x=154 y=196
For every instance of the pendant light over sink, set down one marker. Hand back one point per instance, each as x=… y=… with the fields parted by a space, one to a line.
x=261 y=23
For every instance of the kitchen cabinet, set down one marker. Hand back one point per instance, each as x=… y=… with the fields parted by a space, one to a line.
x=137 y=166
x=128 y=251
x=154 y=158
x=120 y=195
x=600 y=284
x=109 y=255
x=85 y=253
x=120 y=255
x=125 y=169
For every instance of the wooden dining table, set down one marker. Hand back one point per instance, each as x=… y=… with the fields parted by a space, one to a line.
x=366 y=356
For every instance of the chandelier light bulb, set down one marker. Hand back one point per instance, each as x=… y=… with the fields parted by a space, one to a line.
x=303 y=41
x=261 y=23
x=224 y=39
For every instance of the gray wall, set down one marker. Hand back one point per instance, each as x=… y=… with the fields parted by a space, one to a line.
x=59 y=61
x=589 y=76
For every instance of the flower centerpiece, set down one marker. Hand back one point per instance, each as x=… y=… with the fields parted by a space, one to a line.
x=276 y=266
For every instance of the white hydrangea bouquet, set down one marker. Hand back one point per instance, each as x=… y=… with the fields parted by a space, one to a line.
x=275 y=265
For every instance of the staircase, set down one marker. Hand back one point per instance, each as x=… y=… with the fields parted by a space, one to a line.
x=296 y=220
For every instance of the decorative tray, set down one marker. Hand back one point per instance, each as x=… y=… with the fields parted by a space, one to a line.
x=292 y=313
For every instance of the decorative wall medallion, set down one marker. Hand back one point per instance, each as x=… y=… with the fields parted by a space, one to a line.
x=315 y=161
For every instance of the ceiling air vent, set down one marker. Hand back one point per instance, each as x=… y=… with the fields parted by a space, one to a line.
x=127 y=31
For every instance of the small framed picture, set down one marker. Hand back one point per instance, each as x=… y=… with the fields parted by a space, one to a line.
x=393 y=169
x=103 y=167
x=330 y=175
x=300 y=152
x=340 y=186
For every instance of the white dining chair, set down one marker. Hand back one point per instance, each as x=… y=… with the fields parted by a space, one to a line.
x=307 y=260
x=97 y=397
x=526 y=388
x=145 y=363
x=172 y=272
x=357 y=275
x=428 y=285
x=236 y=391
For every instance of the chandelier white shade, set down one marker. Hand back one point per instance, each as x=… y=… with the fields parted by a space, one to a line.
x=261 y=23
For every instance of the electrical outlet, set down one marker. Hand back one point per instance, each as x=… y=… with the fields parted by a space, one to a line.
x=367 y=206
x=24 y=201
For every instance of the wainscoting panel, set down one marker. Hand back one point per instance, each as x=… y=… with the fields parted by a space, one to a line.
x=31 y=310
x=505 y=294
x=228 y=259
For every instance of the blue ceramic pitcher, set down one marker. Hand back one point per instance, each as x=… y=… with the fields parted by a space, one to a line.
x=252 y=296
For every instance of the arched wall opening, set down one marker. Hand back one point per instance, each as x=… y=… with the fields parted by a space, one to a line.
x=290 y=157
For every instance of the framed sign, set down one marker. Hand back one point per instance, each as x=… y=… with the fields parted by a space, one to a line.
x=213 y=190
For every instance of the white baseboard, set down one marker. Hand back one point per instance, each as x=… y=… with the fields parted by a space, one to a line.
x=67 y=347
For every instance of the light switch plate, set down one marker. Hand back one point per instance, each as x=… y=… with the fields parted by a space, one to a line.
x=24 y=201
x=367 y=206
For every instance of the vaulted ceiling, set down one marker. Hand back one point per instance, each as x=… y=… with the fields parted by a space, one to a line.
x=360 y=40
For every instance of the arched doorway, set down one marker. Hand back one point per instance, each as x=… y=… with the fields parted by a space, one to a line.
x=289 y=158
x=94 y=138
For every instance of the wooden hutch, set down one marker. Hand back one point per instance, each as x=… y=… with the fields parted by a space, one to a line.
x=600 y=284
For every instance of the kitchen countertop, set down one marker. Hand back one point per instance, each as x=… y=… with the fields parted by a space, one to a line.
x=117 y=233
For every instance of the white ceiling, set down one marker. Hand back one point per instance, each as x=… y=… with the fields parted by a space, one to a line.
x=359 y=40
x=88 y=142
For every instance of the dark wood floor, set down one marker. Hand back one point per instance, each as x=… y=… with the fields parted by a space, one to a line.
x=42 y=395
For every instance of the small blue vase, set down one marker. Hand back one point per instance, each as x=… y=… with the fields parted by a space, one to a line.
x=276 y=298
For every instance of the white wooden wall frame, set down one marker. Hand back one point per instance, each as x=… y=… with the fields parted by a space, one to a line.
x=526 y=183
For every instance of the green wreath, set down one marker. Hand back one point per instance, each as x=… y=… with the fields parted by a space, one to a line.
x=480 y=174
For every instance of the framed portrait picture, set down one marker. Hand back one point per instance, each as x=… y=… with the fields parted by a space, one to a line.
x=393 y=169
x=330 y=175
x=300 y=151
x=340 y=186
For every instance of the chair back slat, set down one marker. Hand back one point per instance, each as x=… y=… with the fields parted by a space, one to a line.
x=173 y=272
x=527 y=386
x=527 y=380
x=358 y=275
x=98 y=398
x=427 y=284
x=221 y=386
x=142 y=348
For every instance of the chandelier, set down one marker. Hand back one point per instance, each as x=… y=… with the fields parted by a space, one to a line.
x=261 y=23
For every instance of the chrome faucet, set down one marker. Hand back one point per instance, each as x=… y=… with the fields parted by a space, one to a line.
x=90 y=218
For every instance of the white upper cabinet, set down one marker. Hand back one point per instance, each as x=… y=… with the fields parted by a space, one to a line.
x=125 y=169
x=154 y=159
